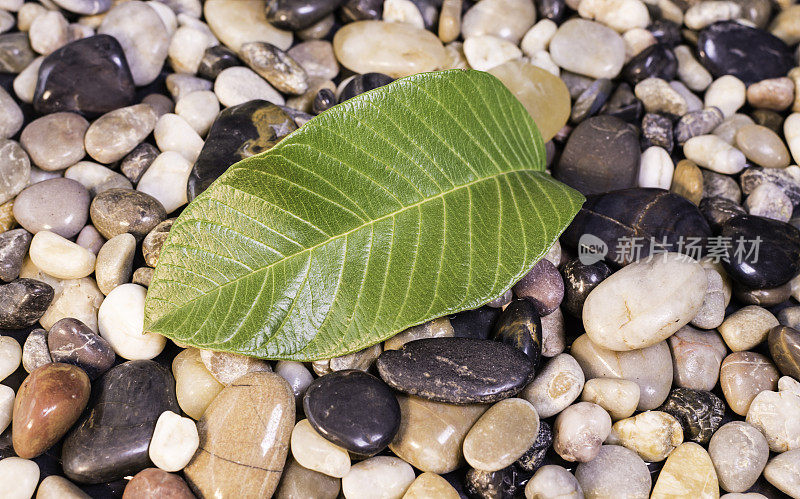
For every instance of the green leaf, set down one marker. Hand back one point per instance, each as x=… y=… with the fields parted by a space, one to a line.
x=412 y=201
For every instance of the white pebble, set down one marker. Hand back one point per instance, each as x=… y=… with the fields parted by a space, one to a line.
x=403 y=11
x=378 y=477
x=60 y=257
x=483 y=52
x=691 y=72
x=6 y=406
x=25 y=82
x=713 y=153
x=705 y=13
x=542 y=60
x=311 y=450
x=166 y=14
x=121 y=322
x=693 y=102
x=619 y=15
x=239 y=84
x=19 y=477
x=27 y=13
x=10 y=356
x=636 y=40
x=656 y=168
x=48 y=32
x=791 y=129
x=296 y=374
x=538 y=37
x=166 y=180
x=187 y=47
x=96 y=178
x=199 y=109
x=174 y=442
x=173 y=133
x=728 y=93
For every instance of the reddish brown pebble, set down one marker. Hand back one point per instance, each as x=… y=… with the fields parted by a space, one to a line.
x=153 y=482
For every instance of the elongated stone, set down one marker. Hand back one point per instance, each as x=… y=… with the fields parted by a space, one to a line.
x=502 y=435
x=588 y=48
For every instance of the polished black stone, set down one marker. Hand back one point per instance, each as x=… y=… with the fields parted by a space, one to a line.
x=749 y=54
x=238 y=132
x=354 y=410
x=364 y=83
x=656 y=131
x=602 y=154
x=477 y=323
x=551 y=9
x=698 y=412
x=324 y=100
x=520 y=326
x=361 y=10
x=651 y=218
x=456 y=370
x=591 y=100
x=215 y=59
x=666 y=32
x=490 y=484
x=656 y=61
x=23 y=302
x=295 y=15
x=777 y=258
x=88 y=76
x=112 y=441
x=718 y=210
x=624 y=105
x=579 y=280
x=533 y=458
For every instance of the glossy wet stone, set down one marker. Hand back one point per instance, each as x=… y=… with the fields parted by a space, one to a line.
x=697 y=356
x=502 y=435
x=238 y=455
x=655 y=61
x=298 y=482
x=699 y=412
x=645 y=213
x=744 y=375
x=534 y=457
x=23 y=302
x=354 y=410
x=295 y=16
x=237 y=133
x=520 y=326
x=456 y=370
x=363 y=83
x=153 y=482
x=49 y=401
x=749 y=54
x=215 y=59
x=430 y=485
x=602 y=154
x=88 y=76
x=72 y=342
x=778 y=255
x=579 y=280
x=784 y=347
x=117 y=211
x=580 y=431
x=14 y=246
x=616 y=471
x=317 y=453
x=113 y=441
x=59 y=205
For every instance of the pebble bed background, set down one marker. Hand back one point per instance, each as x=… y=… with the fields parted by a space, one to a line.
x=670 y=377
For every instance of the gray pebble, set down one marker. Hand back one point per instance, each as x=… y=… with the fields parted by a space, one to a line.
x=15 y=52
x=23 y=302
x=14 y=246
x=142 y=276
x=117 y=211
x=34 y=351
x=151 y=245
x=15 y=169
x=790 y=317
x=275 y=66
x=719 y=185
x=316 y=57
x=788 y=179
x=591 y=100
x=72 y=342
x=59 y=205
x=11 y=113
x=656 y=131
x=90 y=239
x=138 y=161
x=694 y=123
x=115 y=262
x=55 y=141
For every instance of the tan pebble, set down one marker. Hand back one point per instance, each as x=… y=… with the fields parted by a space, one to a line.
x=651 y=434
x=619 y=397
x=502 y=435
x=688 y=472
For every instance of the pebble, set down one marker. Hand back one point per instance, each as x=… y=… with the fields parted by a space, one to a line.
x=693 y=102
x=786 y=179
x=14 y=246
x=755 y=273
x=57 y=205
x=619 y=397
x=174 y=442
x=658 y=96
x=12 y=115
x=15 y=54
x=619 y=15
x=484 y=52
x=237 y=85
x=538 y=37
x=60 y=257
x=15 y=168
x=728 y=128
x=354 y=410
x=113 y=441
x=380 y=476
x=726 y=93
x=743 y=376
x=361 y=360
x=699 y=412
x=588 y=48
x=782 y=472
x=143 y=276
x=636 y=41
x=555 y=386
x=784 y=348
x=704 y=14
x=542 y=286
x=236 y=23
x=96 y=178
x=687 y=181
x=520 y=326
x=762 y=146
x=295 y=17
x=580 y=431
x=34 y=351
x=428 y=485
x=710 y=151
x=22 y=474
x=437 y=328
x=697 y=357
x=313 y=451
x=153 y=482
x=275 y=66
x=739 y=453
x=775 y=94
x=194 y=384
x=298 y=482
x=695 y=123
x=199 y=109
x=688 y=472
x=579 y=281
x=214 y=60
x=298 y=377
x=154 y=240
x=55 y=141
x=651 y=434
x=118 y=132
x=114 y=263
x=117 y=211
x=615 y=472
x=173 y=133
x=656 y=168
x=316 y=57
x=551 y=482
x=501 y=435
x=507 y=19
x=47 y=404
x=160 y=103
x=747 y=327
x=10 y=356
x=227 y=367
x=187 y=48
x=431 y=433
x=456 y=370
x=72 y=342
x=166 y=179
x=769 y=201
x=775 y=415
x=791 y=131
x=58 y=487
x=138 y=161
x=120 y=320
x=78 y=298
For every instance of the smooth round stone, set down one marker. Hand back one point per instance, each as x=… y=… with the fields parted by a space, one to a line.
x=762 y=146
x=658 y=96
x=380 y=476
x=12 y=114
x=166 y=180
x=456 y=370
x=727 y=94
x=650 y=368
x=314 y=452
x=89 y=76
x=298 y=482
x=120 y=319
x=20 y=475
x=48 y=32
x=57 y=205
x=296 y=16
x=731 y=124
x=316 y=57
x=484 y=52
x=174 y=442
x=10 y=356
x=588 y=48
x=784 y=348
x=238 y=85
x=227 y=367
x=782 y=472
x=619 y=397
x=117 y=211
x=118 y=132
x=394 y=49
x=709 y=151
x=775 y=94
x=699 y=412
x=552 y=482
x=430 y=485
x=502 y=435
x=195 y=386
x=138 y=161
x=187 y=47
x=621 y=15
x=112 y=443
x=154 y=482
x=507 y=19
x=173 y=133
x=160 y=103
x=96 y=178
x=23 y=302
x=15 y=169
x=199 y=109
x=697 y=356
x=739 y=453
x=747 y=327
x=14 y=246
x=555 y=386
x=614 y=160
x=60 y=257
x=615 y=472
x=579 y=281
x=34 y=352
x=354 y=410
x=688 y=472
x=651 y=434
x=55 y=141
x=730 y=48
x=657 y=168
x=743 y=376
x=78 y=298
x=580 y=430
x=58 y=487
x=298 y=377
x=235 y=23
x=542 y=286
x=433 y=444
x=48 y=403
x=618 y=313
x=154 y=240
x=775 y=415
x=72 y=342
x=115 y=262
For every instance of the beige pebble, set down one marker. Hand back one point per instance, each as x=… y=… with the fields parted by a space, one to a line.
x=619 y=15
x=651 y=434
x=314 y=452
x=538 y=37
x=173 y=133
x=235 y=23
x=437 y=328
x=619 y=397
x=402 y=11
x=114 y=263
x=58 y=487
x=658 y=96
x=615 y=472
x=227 y=367
x=791 y=130
x=379 y=476
x=580 y=430
x=727 y=93
x=729 y=126
x=588 y=48
x=507 y=19
x=76 y=298
x=194 y=385
x=115 y=134
x=776 y=94
x=688 y=472
x=747 y=327
x=450 y=20
x=762 y=146
x=502 y=435
x=556 y=386
x=60 y=257
x=739 y=453
x=703 y=14
x=484 y=52
x=430 y=485
x=777 y=416
x=783 y=471
x=174 y=442
x=553 y=482
x=712 y=313
x=636 y=40
x=713 y=153
x=298 y=482
x=690 y=71
x=696 y=356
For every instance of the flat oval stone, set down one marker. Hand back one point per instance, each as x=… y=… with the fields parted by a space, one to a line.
x=394 y=49
x=456 y=370
x=588 y=48
x=23 y=302
x=618 y=313
x=15 y=169
x=117 y=211
x=113 y=442
x=688 y=472
x=739 y=453
x=58 y=205
x=55 y=141
x=778 y=258
x=431 y=433
x=48 y=403
x=762 y=146
x=615 y=472
x=619 y=397
x=70 y=341
x=118 y=132
x=354 y=410
x=238 y=454
x=699 y=412
x=236 y=23
x=88 y=76
x=750 y=54
x=743 y=376
x=602 y=154
x=154 y=482
x=381 y=476
x=15 y=53
x=502 y=435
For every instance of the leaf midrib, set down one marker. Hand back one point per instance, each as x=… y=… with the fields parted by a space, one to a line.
x=310 y=249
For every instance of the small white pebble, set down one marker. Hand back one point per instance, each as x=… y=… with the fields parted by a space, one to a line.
x=18 y=477
x=791 y=130
x=120 y=320
x=403 y=11
x=380 y=476
x=166 y=180
x=728 y=93
x=48 y=32
x=60 y=257
x=656 y=168
x=313 y=451
x=691 y=72
x=705 y=13
x=10 y=356
x=6 y=406
x=239 y=84
x=199 y=109
x=542 y=60
x=713 y=153
x=538 y=37
x=173 y=133
x=25 y=82
x=619 y=15
x=483 y=52
x=174 y=442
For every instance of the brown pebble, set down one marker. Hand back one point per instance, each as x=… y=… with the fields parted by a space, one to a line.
x=744 y=375
x=153 y=482
x=687 y=181
x=784 y=348
x=775 y=93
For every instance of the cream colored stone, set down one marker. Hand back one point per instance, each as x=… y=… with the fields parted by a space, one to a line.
x=508 y=19
x=619 y=15
x=502 y=435
x=777 y=416
x=116 y=133
x=762 y=146
x=227 y=367
x=236 y=22
x=783 y=471
x=652 y=434
x=747 y=327
x=713 y=153
x=6 y=399
x=691 y=72
x=791 y=130
x=115 y=262
x=484 y=52
x=25 y=82
x=96 y=178
x=703 y=14
x=636 y=40
x=10 y=356
x=430 y=485
x=688 y=472
x=658 y=96
x=450 y=20
x=199 y=109
x=538 y=37
x=553 y=482
x=580 y=430
x=298 y=482
x=76 y=298
x=19 y=477
x=556 y=386
x=619 y=397
x=697 y=357
x=173 y=133
x=403 y=11
x=58 y=487
x=166 y=179
x=194 y=385
x=616 y=472
x=238 y=84
x=121 y=322
x=588 y=48
x=60 y=257
x=728 y=93
x=174 y=442
x=656 y=168
x=48 y=32
x=381 y=476
x=314 y=452
x=744 y=375
x=187 y=47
